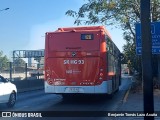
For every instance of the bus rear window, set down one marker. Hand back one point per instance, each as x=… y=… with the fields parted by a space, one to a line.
x=66 y=41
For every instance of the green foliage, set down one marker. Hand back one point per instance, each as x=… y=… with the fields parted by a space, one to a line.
x=120 y=13
x=19 y=62
x=4 y=62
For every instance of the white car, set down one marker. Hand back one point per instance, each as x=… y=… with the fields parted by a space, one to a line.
x=8 y=92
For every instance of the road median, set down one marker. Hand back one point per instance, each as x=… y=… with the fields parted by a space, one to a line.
x=28 y=85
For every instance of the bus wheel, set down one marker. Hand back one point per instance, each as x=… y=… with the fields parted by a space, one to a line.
x=117 y=90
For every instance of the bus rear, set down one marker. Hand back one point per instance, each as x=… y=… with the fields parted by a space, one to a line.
x=74 y=61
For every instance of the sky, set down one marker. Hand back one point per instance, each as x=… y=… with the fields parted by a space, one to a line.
x=24 y=24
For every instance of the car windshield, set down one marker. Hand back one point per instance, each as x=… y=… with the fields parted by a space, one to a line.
x=2 y=79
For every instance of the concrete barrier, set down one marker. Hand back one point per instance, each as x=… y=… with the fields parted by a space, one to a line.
x=27 y=85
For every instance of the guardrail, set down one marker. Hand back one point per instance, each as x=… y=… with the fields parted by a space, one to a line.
x=27 y=85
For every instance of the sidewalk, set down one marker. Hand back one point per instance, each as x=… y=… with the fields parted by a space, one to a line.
x=134 y=104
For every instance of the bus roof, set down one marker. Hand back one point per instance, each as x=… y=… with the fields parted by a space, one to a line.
x=84 y=28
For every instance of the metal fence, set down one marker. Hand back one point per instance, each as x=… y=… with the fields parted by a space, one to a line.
x=23 y=72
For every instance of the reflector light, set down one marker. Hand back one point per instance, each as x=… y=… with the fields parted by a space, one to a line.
x=101 y=69
x=86 y=83
x=101 y=74
x=50 y=82
x=48 y=75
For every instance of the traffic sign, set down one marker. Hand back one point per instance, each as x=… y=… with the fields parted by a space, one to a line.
x=155 y=34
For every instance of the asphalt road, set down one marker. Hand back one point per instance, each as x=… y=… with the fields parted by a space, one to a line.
x=39 y=101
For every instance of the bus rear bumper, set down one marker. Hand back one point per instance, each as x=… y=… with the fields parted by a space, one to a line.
x=104 y=88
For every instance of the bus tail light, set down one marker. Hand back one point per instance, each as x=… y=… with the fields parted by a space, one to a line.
x=111 y=73
x=101 y=74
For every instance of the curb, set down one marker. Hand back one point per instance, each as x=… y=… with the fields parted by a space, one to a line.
x=127 y=93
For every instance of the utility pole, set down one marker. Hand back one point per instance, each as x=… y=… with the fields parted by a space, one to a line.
x=10 y=70
x=147 y=59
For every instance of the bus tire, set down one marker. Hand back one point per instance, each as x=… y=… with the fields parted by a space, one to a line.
x=117 y=90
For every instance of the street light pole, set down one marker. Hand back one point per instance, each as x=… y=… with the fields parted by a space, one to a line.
x=148 y=99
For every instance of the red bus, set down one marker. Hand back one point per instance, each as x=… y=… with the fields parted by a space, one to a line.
x=81 y=60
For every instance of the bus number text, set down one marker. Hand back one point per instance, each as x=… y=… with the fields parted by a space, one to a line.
x=74 y=62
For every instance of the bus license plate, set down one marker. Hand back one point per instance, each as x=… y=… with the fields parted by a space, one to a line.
x=74 y=90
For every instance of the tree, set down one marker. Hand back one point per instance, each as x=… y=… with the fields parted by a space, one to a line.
x=4 y=62
x=120 y=13
x=19 y=62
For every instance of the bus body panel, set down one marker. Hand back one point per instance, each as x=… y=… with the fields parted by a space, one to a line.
x=73 y=71
x=105 y=87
